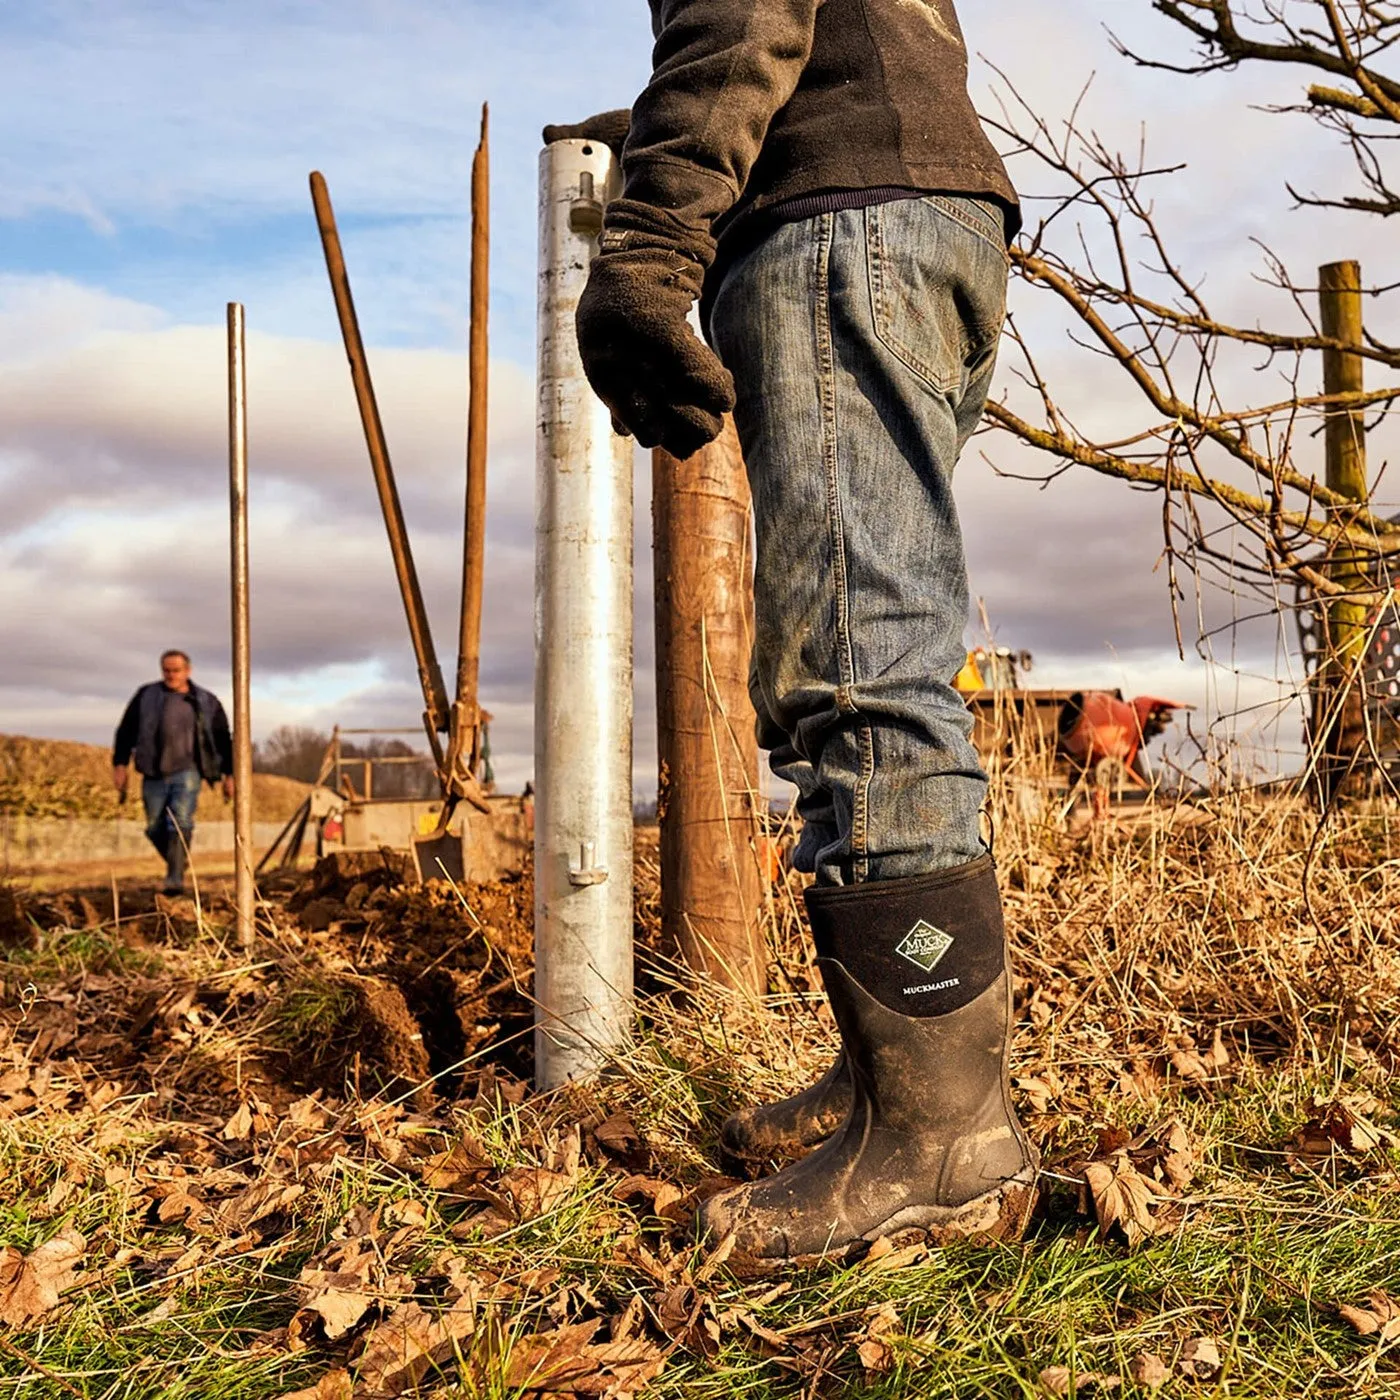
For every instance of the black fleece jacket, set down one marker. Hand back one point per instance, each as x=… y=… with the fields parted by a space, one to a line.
x=755 y=104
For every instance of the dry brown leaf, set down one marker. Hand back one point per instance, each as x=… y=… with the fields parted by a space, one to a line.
x=1200 y=1359
x=618 y=1135
x=1379 y=1317
x=261 y=1200
x=30 y=1285
x=568 y=1362
x=336 y=1305
x=334 y=1385
x=1057 y=1380
x=874 y=1351
x=252 y=1118
x=1149 y=1370
x=179 y=1206
x=397 y=1353
x=1122 y=1197
x=1041 y=1090
x=463 y=1164
x=1178 y=1160
x=686 y=1316
x=662 y=1196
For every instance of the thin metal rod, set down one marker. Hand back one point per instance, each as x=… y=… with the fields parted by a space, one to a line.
x=474 y=546
x=245 y=891
x=436 y=718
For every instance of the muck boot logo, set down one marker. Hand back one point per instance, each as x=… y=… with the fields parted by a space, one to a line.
x=924 y=945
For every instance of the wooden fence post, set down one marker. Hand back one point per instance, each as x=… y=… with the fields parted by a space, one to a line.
x=1339 y=718
x=711 y=892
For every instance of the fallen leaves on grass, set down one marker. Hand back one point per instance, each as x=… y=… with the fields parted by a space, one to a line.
x=874 y=1351
x=30 y=1285
x=396 y=1354
x=1378 y=1317
x=1149 y=1370
x=1337 y=1125
x=569 y=1362
x=334 y=1385
x=1130 y=1187
x=1060 y=1380
x=1200 y=1359
x=1122 y=1198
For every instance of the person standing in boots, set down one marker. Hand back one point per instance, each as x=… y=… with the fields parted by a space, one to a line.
x=813 y=172
x=178 y=735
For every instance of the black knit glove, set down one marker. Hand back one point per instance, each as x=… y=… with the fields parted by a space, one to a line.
x=609 y=128
x=661 y=382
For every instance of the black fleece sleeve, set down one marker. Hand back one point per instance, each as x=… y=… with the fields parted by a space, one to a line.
x=127 y=733
x=223 y=741
x=721 y=71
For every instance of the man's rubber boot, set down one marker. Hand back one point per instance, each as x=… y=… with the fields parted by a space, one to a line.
x=793 y=1124
x=174 y=865
x=916 y=971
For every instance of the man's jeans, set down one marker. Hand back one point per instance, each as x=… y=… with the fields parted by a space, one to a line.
x=862 y=344
x=170 y=804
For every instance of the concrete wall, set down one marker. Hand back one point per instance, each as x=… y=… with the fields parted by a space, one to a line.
x=40 y=843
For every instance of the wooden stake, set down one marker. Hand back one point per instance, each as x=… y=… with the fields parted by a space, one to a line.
x=711 y=891
x=1339 y=720
x=474 y=547
x=245 y=892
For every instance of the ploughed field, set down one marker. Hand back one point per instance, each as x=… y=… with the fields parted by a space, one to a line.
x=53 y=778
x=318 y=1170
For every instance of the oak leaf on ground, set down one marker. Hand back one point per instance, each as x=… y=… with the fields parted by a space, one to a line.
x=30 y=1285
x=569 y=1362
x=1378 y=1317
x=874 y=1350
x=396 y=1354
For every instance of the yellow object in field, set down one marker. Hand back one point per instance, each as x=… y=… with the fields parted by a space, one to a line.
x=969 y=678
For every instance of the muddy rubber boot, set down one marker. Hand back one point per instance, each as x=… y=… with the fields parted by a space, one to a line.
x=793 y=1124
x=174 y=868
x=917 y=975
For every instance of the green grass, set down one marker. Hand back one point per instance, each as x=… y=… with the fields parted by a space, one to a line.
x=1259 y=1262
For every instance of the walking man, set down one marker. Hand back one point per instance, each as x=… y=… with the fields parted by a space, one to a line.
x=813 y=172
x=178 y=736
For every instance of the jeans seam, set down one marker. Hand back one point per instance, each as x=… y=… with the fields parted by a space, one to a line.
x=836 y=528
x=835 y=523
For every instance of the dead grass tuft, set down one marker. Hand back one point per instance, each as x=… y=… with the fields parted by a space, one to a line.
x=267 y=1205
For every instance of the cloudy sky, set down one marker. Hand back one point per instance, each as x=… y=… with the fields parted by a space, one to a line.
x=155 y=167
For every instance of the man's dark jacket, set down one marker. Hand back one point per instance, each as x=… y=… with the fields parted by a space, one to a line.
x=759 y=108
x=139 y=733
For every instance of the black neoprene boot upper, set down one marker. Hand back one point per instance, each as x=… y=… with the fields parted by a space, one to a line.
x=917 y=977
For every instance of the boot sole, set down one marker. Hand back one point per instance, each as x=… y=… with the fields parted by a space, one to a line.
x=1000 y=1215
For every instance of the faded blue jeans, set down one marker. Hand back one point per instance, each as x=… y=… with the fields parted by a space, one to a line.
x=170 y=804
x=862 y=344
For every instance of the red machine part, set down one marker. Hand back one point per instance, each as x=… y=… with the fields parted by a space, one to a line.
x=1096 y=725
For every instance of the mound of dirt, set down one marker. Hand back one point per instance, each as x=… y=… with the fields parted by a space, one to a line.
x=59 y=778
x=460 y=962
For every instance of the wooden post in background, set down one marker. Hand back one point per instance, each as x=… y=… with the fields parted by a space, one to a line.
x=711 y=892
x=1339 y=701
x=244 y=890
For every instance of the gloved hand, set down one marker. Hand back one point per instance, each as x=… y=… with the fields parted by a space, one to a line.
x=610 y=128
x=660 y=381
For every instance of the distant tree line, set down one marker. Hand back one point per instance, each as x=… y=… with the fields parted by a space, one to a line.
x=297 y=751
